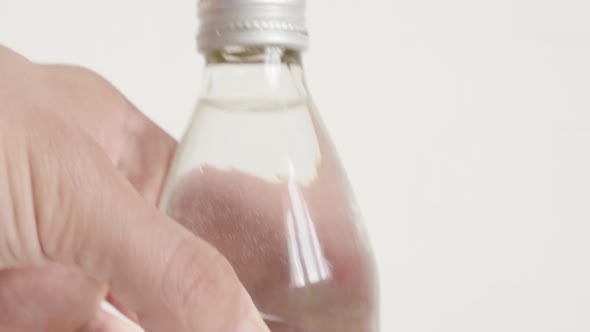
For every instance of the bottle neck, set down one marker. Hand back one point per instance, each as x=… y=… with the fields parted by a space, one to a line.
x=260 y=73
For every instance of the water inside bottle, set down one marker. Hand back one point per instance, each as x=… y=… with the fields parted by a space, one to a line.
x=260 y=182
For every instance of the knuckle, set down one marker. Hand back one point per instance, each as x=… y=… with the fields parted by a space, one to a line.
x=52 y=172
x=17 y=190
x=50 y=165
x=71 y=78
x=20 y=81
x=9 y=58
x=60 y=164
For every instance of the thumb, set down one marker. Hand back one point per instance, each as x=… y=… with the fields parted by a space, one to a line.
x=87 y=215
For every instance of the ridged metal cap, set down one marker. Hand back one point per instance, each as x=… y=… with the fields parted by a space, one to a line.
x=252 y=23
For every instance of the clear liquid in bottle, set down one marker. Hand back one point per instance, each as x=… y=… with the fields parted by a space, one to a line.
x=259 y=180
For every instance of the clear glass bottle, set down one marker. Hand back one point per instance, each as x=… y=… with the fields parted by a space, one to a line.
x=257 y=177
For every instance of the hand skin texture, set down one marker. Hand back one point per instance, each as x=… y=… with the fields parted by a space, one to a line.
x=80 y=174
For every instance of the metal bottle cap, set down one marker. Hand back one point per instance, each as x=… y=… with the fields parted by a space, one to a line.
x=252 y=23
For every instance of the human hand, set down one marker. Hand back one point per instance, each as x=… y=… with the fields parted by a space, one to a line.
x=80 y=172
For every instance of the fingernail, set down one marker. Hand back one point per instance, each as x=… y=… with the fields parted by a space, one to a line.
x=117 y=318
x=104 y=321
x=253 y=321
x=254 y=324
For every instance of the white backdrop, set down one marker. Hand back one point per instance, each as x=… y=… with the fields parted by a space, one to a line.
x=464 y=125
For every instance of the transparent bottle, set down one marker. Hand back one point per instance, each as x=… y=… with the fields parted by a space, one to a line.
x=257 y=177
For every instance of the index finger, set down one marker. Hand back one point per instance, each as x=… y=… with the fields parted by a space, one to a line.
x=78 y=210
x=139 y=149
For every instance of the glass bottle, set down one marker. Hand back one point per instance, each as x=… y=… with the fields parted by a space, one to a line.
x=257 y=177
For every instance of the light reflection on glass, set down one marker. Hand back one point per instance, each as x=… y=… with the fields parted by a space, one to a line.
x=307 y=260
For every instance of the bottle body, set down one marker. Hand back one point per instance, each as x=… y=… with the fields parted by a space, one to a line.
x=257 y=177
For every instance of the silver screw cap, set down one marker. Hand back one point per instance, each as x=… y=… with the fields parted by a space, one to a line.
x=252 y=23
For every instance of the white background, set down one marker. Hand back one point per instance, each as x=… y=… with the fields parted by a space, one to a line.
x=464 y=125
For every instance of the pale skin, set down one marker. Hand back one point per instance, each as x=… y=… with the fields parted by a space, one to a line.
x=81 y=171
